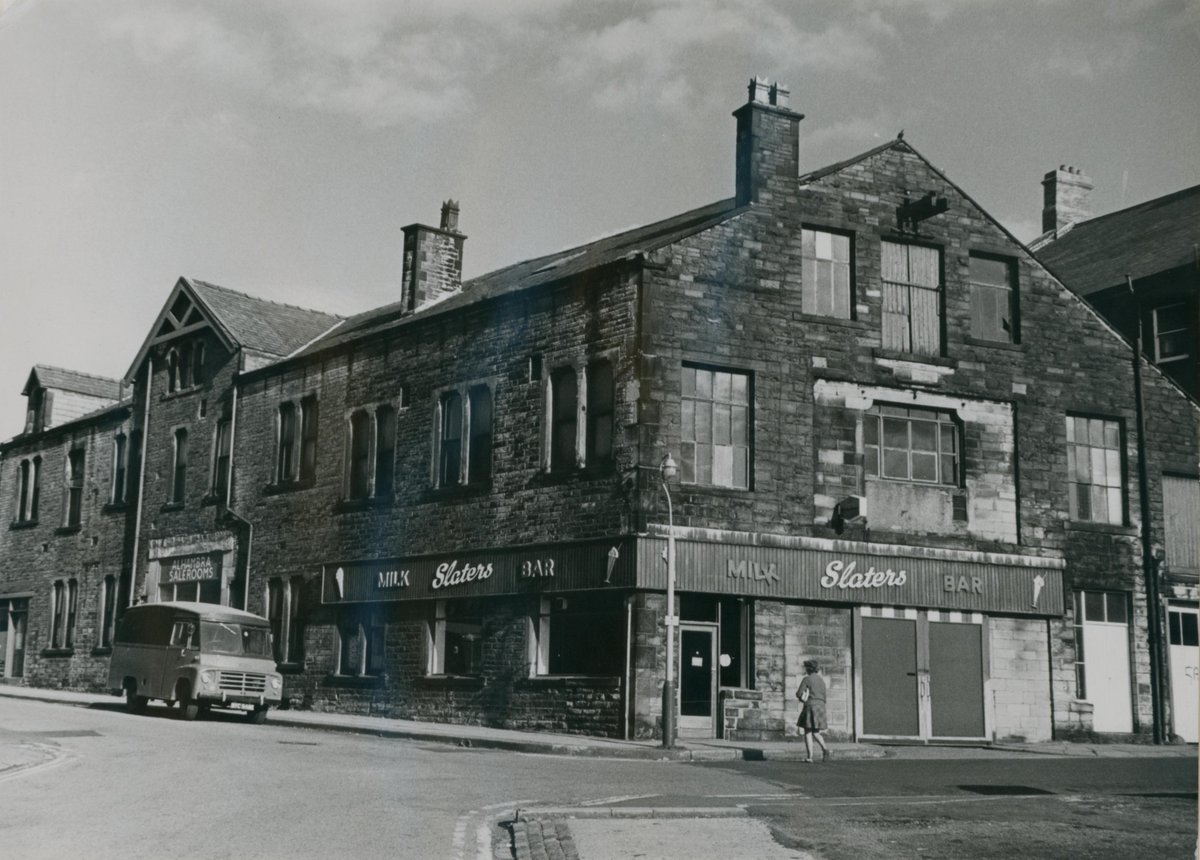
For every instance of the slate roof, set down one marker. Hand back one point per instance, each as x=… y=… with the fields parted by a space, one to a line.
x=539 y=270
x=73 y=381
x=1151 y=237
x=257 y=324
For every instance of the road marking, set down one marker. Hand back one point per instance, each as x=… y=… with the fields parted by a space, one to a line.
x=792 y=796
x=618 y=799
x=57 y=756
x=920 y=800
x=458 y=843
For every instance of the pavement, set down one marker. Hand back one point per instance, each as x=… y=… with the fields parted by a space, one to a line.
x=595 y=833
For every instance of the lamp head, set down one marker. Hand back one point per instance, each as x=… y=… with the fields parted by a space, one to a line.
x=667 y=468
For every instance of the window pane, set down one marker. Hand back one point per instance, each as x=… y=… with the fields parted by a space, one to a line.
x=1083 y=501
x=722 y=469
x=689 y=381
x=924 y=467
x=741 y=429
x=871 y=430
x=687 y=463
x=722 y=421
x=1114 y=505
x=1093 y=606
x=722 y=387
x=741 y=467
x=1118 y=608
x=841 y=248
x=1190 y=636
x=704 y=384
x=949 y=470
x=924 y=436
x=895 y=433
x=824 y=246
x=1112 y=434
x=704 y=423
x=895 y=464
x=1096 y=432
x=871 y=460
x=1099 y=504
x=688 y=415
x=989 y=271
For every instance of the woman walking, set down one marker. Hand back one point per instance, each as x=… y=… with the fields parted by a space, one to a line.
x=812 y=711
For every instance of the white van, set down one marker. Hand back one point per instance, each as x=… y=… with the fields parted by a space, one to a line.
x=199 y=655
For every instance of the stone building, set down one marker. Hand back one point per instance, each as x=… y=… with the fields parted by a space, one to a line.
x=1142 y=264
x=902 y=448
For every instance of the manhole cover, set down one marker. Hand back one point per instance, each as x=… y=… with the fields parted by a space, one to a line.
x=1008 y=790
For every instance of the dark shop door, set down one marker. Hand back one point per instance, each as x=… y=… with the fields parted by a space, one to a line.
x=697 y=679
x=890 y=705
x=956 y=680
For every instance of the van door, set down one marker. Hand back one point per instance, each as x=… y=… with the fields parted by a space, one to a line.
x=183 y=651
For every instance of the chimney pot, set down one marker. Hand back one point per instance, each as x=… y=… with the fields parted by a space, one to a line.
x=450 y=216
x=779 y=94
x=759 y=89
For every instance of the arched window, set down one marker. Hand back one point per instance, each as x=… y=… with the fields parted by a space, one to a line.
x=450 y=454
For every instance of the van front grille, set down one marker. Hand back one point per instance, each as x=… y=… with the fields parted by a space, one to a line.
x=242 y=682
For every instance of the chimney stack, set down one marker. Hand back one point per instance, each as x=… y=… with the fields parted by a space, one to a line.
x=768 y=144
x=1065 y=198
x=432 y=261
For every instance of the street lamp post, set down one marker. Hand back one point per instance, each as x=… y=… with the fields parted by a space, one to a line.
x=667 y=471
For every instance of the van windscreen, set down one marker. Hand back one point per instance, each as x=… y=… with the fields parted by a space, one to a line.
x=219 y=637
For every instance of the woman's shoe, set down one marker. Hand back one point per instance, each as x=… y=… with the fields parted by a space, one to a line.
x=806 y=761
x=826 y=755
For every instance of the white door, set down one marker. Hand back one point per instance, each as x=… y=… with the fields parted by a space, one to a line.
x=1185 y=671
x=1106 y=647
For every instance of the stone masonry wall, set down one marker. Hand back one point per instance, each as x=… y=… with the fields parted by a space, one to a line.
x=1020 y=679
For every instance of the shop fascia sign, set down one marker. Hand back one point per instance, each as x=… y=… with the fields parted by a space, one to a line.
x=189 y=568
x=476 y=573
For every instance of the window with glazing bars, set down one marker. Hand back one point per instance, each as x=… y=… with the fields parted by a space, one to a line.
x=1095 y=474
x=909 y=444
x=715 y=444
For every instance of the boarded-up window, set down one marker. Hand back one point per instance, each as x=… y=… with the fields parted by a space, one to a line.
x=1181 y=513
x=912 y=298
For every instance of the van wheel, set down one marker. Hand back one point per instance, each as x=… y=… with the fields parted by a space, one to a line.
x=134 y=703
x=189 y=708
x=258 y=716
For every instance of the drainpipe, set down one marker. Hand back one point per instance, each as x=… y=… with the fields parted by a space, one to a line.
x=229 y=499
x=141 y=496
x=1149 y=567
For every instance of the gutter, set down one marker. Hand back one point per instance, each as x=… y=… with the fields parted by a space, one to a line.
x=227 y=501
x=141 y=497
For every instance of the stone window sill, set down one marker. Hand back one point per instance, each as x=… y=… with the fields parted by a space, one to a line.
x=102 y=651
x=452 y=682
x=356 y=682
x=172 y=506
x=115 y=508
x=23 y=524
x=67 y=530
x=841 y=322
x=289 y=487
x=914 y=358
x=58 y=652
x=1101 y=528
x=291 y=669
x=346 y=506
x=992 y=344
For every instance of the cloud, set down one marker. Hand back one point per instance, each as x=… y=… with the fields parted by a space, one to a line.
x=854 y=133
x=379 y=62
x=652 y=57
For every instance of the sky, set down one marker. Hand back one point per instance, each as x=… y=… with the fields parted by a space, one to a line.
x=278 y=147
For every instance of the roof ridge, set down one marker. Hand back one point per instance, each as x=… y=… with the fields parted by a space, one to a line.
x=111 y=379
x=255 y=298
x=1165 y=198
x=583 y=247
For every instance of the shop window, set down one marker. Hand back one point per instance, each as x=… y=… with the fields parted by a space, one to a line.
x=715 y=448
x=734 y=619
x=479 y=448
x=283 y=611
x=203 y=591
x=179 y=471
x=120 y=468
x=599 y=445
x=106 y=611
x=456 y=638
x=1181 y=513
x=564 y=419
x=64 y=600
x=360 y=644
x=908 y=444
x=1170 y=324
x=579 y=634
x=74 y=501
x=825 y=275
x=222 y=445
x=993 y=298
x=1095 y=470
x=912 y=298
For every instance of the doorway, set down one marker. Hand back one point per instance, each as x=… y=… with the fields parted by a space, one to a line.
x=14 y=620
x=921 y=674
x=1102 y=658
x=697 y=680
x=1182 y=622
